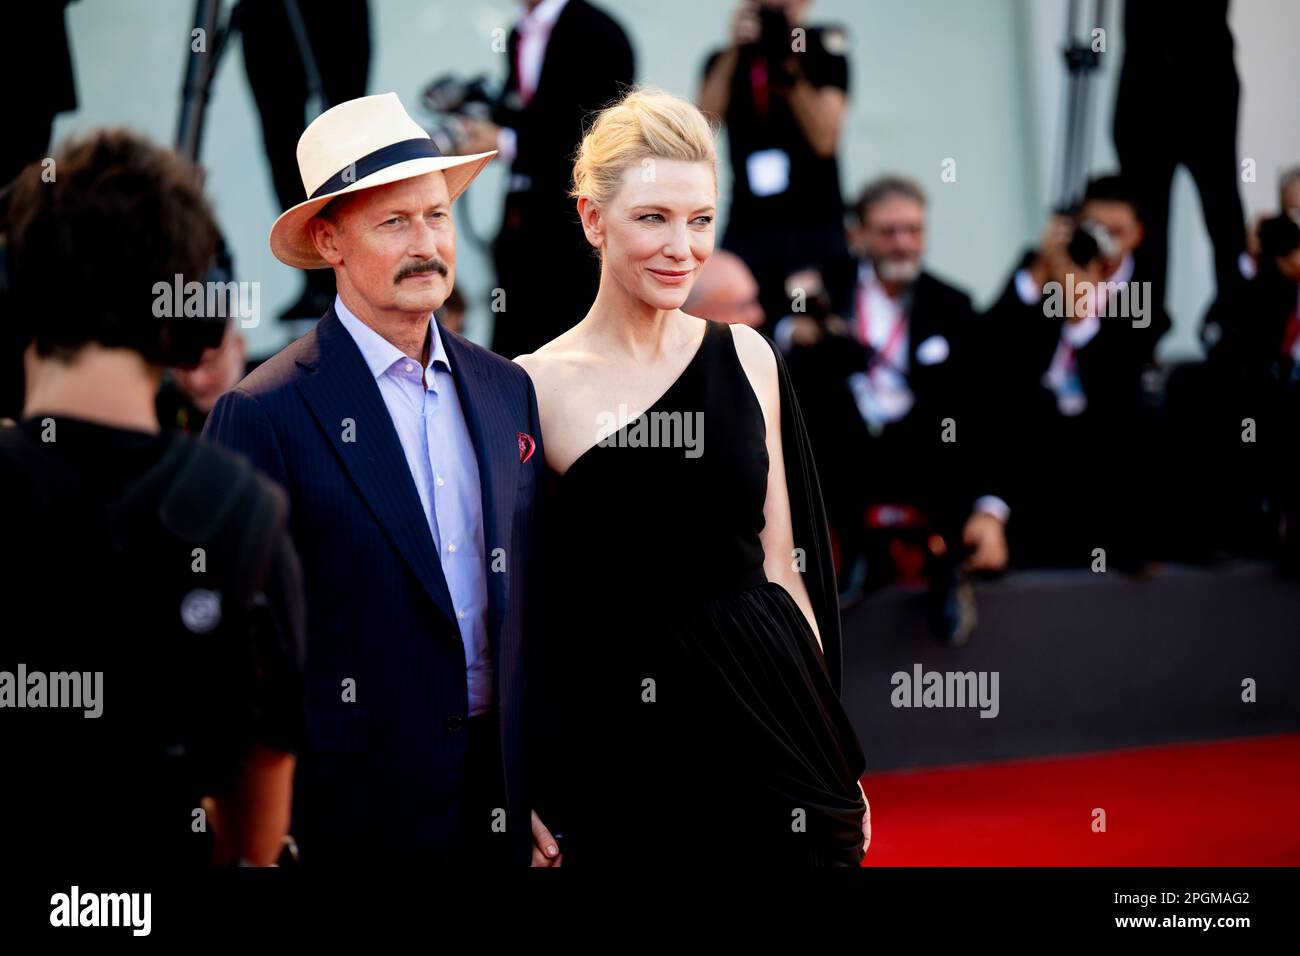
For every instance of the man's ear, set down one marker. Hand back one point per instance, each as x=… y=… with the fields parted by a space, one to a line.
x=592 y=225
x=324 y=235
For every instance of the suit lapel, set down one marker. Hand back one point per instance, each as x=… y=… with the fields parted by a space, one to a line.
x=496 y=447
x=342 y=390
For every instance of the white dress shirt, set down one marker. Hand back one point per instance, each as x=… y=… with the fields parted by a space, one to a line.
x=880 y=321
x=431 y=427
x=1062 y=375
x=534 y=33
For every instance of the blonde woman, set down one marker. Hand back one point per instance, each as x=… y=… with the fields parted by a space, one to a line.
x=692 y=639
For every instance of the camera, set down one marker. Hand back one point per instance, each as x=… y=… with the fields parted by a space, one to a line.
x=774 y=36
x=1090 y=241
x=452 y=97
x=1278 y=236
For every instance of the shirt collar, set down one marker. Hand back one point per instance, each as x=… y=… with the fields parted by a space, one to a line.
x=542 y=16
x=381 y=354
x=1124 y=271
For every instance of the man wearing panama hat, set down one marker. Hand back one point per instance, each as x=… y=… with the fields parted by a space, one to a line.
x=411 y=457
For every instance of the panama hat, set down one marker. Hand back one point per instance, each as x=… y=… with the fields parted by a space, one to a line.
x=369 y=141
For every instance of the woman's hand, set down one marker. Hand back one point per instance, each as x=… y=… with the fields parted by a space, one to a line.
x=545 y=850
x=866 y=820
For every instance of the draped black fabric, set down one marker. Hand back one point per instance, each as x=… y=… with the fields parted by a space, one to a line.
x=811 y=530
x=693 y=717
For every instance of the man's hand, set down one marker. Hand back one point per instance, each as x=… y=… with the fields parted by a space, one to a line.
x=804 y=331
x=986 y=536
x=745 y=25
x=477 y=135
x=545 y=850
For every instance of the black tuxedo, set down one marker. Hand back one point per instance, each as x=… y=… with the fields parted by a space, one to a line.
x=1071 y=480
x=544 y=264
x=1249 y=379
x=909 y=461
x=1177 y=104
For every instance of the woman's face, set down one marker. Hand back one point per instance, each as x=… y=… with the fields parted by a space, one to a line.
x=657 y=232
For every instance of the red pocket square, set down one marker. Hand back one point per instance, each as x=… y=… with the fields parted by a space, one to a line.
x=526 y=446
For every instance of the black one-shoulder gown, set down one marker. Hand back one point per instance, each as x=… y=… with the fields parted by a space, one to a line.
x=689 y=715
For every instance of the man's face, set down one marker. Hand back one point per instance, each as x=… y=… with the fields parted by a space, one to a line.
x=1291 y=200
x=1121 y=221
x=1289 y=265
x=394 y=245
x=219 y=370
x=892 y=238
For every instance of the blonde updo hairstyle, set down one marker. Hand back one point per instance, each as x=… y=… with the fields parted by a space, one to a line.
x=644 y=124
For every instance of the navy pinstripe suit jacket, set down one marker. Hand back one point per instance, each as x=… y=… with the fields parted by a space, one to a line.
x=383 y=775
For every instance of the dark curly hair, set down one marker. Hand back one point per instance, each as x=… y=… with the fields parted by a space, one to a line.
x=85 y=248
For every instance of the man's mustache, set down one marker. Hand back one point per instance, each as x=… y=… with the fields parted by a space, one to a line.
x=417 y=268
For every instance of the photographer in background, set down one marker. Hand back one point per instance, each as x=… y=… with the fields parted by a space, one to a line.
x=188 y=394
x=1064 y=376
x=1177 y=104
x=1251 y=379
x=879 y=390
x=281 y=75
x=726 y=291
x=781 y=88
x=567 y=59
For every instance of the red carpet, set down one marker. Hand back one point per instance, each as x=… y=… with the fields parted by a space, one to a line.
x=1228 y=803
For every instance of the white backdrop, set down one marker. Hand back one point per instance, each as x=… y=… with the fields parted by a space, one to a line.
x=977 y=81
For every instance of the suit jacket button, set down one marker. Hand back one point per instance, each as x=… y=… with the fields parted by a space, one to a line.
x=454 y=723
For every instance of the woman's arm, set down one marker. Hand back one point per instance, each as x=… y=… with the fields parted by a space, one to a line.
x=780 y=562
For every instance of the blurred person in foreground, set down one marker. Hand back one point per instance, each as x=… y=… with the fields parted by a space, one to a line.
x=898 y=399
x=781 y=88
x=155 y=599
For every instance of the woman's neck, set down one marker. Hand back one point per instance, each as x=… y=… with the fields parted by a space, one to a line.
x=109 y=386
x=621 y=321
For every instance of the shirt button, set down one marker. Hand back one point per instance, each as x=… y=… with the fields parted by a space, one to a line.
x=409 y=367
x=439 y=482
x=451 y=548
x=460 y=615
x=453 y=723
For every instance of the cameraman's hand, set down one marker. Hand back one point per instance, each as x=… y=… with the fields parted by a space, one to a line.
x=804 y=331
x=1053 y=258
x=745 y=26
x=986 y=536
x=477 y=135
x=837 y=326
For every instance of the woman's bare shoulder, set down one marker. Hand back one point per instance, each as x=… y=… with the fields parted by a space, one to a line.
x=551 y=363
x=759 y=362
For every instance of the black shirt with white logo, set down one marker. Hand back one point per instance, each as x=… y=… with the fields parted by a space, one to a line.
x=778 y=181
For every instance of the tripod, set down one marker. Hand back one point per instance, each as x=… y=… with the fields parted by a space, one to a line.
x=201 y=69
x=1081 y=62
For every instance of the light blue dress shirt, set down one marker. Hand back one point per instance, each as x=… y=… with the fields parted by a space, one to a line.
x=430 y=424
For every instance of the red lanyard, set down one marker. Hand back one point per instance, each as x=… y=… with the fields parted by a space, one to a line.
x=1292 y=331
x=886 y=352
